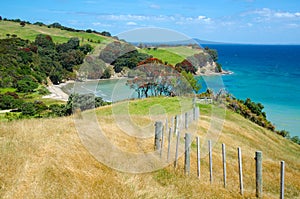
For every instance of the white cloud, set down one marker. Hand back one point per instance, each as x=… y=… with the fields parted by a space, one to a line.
x=201 y=17
x=131 y=23
x=266 y=14
x=154 y=6
x=284 y=14
x=156 y=18
x=101 y=24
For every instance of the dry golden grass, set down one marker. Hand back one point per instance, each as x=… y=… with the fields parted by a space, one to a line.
x=45 y=158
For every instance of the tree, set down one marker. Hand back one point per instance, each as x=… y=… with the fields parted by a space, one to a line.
x=44 y=41
x=186 y=66
x=105 y=33
x=191 y=80
x=86 y=48
x=72 y=44
x=28 y=109
x=83 y=102
x=213 y=53
x=22 y=23
x=296 y=139
x=154 y=79
x=130 y=60
x=115 y=50
x=108 y=72
x=284 y=133
x=26 y=85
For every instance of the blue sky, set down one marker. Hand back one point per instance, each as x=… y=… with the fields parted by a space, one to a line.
x=237 y=21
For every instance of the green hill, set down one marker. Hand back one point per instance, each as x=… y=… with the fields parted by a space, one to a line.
x=30 y=32
x=45 y=158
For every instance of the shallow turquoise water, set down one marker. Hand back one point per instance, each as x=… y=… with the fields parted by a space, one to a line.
x=266 y=74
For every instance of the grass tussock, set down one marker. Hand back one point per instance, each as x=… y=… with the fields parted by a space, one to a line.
x=45 y=158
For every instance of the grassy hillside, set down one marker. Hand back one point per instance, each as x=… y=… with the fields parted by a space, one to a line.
x=45 y=158
x=59 y=36
x=172 y=55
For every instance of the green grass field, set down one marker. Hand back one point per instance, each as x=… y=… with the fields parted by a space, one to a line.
x=59 y=36
x=172 y=54
x=164 y=55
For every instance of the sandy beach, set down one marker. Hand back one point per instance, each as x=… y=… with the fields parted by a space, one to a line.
x=56 y=92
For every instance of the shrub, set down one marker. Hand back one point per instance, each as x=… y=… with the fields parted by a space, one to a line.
x=26 y=85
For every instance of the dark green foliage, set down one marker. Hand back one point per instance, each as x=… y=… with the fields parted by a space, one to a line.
x=72 y=44
x=129 y=60
x=58 y=110
x=250 y=110
x=39 y=23
x=38 y=60
x=107 y=73
x=86 y=48
x=28 y=109
x=83 y=102
x=295 y=139
x=105 y=33
x=44 y=41
x=26 y=85
x=213 y=53
x=71 y=58
x=191 y=81
x=22 y=23
x=219 y=68
x=255 y=108
x=9 y=101
x=115 y=50
x=284 y=133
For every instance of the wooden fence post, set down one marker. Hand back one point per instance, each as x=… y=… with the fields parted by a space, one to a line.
x=198 y=156
x=166 y=125
x=186 y=121
x=240 y=171
x=176 y=125
x=197 y=113
x=169 y=144
x=187 y=153
x=282 y=181
x=162 y=142
x=158 y=134
x=210 y=162
x=224 y=163
x=176 y=152
x=258 y=168
x=194 y=102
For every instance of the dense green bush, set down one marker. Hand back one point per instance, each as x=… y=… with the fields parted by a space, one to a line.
x=26 y=85
x=39 y=59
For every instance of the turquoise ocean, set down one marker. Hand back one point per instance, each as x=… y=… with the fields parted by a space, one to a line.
x=269 y=74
